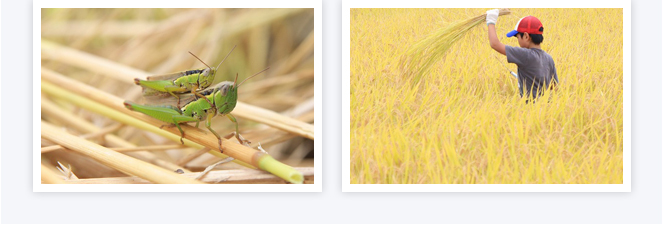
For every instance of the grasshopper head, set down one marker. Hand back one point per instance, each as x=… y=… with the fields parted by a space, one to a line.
x=207 y=77
x=225 y=97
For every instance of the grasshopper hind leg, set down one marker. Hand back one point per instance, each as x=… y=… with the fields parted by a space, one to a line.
x=239 y=137
x=174 y=90
x=181 y=133
x=208 y=124
x=236 y=133
x=176 y=124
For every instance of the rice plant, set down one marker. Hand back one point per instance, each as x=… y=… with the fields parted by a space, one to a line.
x=464 y=121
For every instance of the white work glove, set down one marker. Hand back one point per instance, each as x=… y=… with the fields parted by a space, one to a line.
x=491 y=16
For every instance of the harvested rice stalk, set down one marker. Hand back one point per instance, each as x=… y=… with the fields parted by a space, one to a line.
x=418 y=59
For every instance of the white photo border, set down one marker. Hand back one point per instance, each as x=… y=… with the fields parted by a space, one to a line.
x=348 y=187
x=316 y=5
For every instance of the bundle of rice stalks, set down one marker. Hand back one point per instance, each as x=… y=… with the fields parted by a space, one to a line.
x=418 y=59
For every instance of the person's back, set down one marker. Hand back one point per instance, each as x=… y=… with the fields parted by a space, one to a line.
x=536 y=68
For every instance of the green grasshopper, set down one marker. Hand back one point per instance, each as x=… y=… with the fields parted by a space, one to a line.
x=178 y=83
x=219 y=100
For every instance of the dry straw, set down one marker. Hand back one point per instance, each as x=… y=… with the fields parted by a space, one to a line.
x=49 y=176
x=88 y=72
x=111 y=106
x=226 y=177
x=113 y=159
x=418 y=59
x=48 y=108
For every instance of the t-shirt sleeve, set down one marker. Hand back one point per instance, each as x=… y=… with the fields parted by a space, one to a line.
x=516 y=55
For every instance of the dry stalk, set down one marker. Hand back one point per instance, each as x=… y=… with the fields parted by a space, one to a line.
x=66 y=171
x=277 y=80
x=181 y=46
x=51 y=148
x=113 y=159
x=275 y=120
x=103 y=132
x=248 y=21
x=56 y=52
x=48 y=176
x=130 y=149
x=145 y=44
x=127 y=74
x=242 y=176
x=418 y=59
x=148 y=148
x=47 y=107
x=304 y=49
x=209 y=168
x=84 y=29
x=186 y=159
x=120 y=113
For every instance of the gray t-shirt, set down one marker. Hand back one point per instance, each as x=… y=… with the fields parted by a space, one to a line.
x=536 y=69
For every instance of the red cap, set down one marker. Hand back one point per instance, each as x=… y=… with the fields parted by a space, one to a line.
x=528 y=24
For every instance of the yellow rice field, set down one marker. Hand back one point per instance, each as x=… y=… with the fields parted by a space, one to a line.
x=466 y=123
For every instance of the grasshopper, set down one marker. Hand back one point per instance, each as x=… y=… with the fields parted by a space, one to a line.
x=178 y=83
x=219 y=100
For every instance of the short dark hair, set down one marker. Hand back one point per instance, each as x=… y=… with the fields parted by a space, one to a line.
x=536 y=38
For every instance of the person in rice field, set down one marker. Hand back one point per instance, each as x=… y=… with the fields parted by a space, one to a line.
x=536 y=68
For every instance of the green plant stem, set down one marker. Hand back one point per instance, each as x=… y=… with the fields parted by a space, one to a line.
x=268 y=163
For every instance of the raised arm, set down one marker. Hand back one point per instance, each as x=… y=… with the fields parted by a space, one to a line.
x=494 y=41
x=491 y=19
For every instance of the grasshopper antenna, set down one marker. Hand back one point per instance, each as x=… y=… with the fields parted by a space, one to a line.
x=224 y=59
x=200 y=60
x=250 y=77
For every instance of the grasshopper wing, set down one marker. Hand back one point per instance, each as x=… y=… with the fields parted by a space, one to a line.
x=162 y=99
x=170 y=76
x=173 y=76
x=151 y=93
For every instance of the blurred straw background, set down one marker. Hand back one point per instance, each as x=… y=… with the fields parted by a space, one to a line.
x=106 y=48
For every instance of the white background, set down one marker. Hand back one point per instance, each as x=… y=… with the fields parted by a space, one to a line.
x=625 y=5
x=20 y=205
x=39 y=187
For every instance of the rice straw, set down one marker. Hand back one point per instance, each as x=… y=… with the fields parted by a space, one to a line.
x=418 y=59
